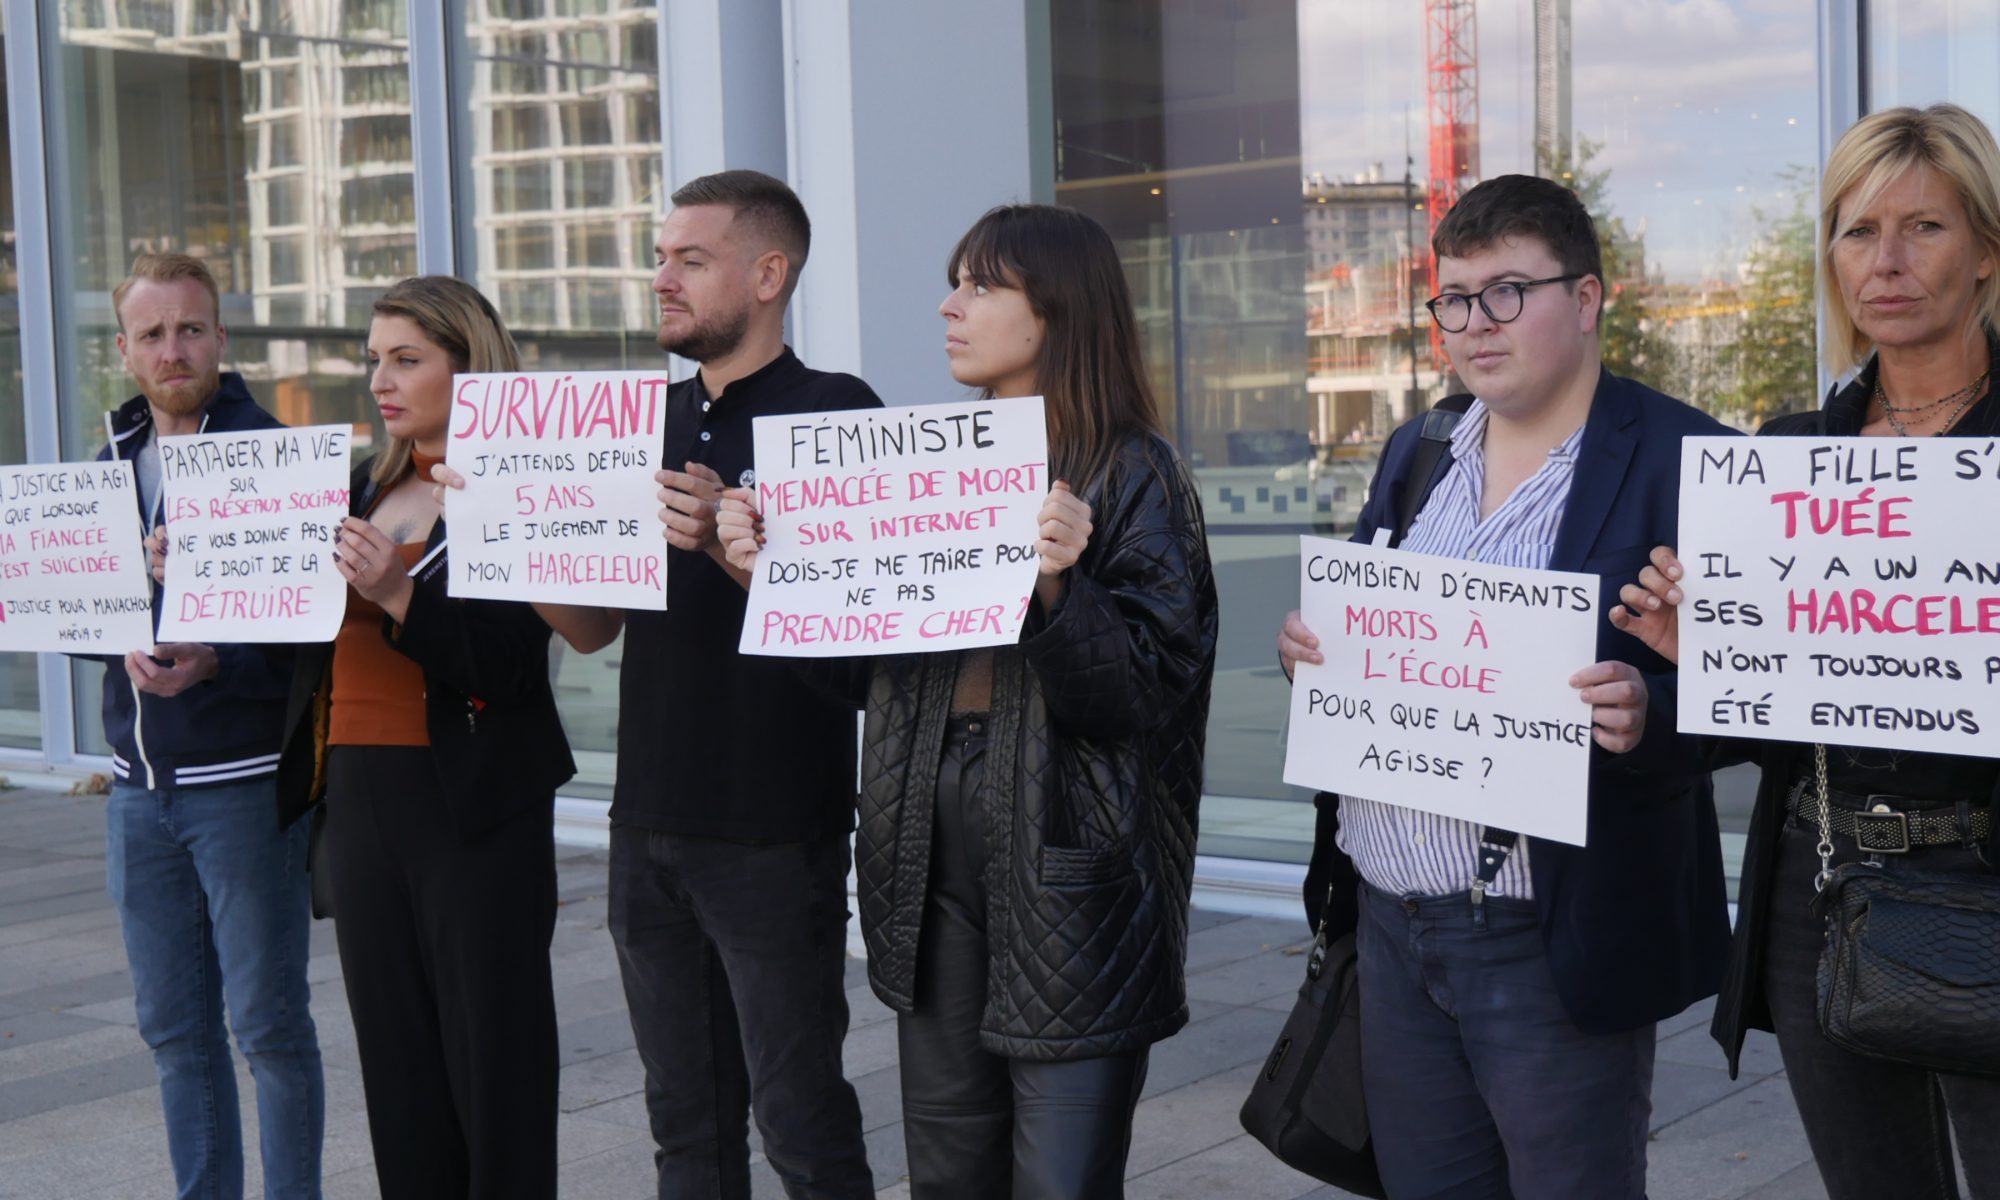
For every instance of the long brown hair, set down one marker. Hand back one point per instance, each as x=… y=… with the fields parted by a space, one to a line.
x=1090 y=371
x=462 y=323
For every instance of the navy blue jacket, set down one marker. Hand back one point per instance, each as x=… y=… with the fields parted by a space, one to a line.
x=224 y=731
x=1636 y=923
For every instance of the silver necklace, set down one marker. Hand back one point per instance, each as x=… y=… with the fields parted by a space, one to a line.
x=1965 y=396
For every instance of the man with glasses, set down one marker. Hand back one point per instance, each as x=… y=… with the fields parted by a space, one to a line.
x=1510 y=986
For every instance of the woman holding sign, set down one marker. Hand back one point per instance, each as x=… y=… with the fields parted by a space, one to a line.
x=1027 y=827
x=430 y=729
x=1911 y=272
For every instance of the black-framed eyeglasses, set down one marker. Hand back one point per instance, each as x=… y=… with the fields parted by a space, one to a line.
x=1502 y=302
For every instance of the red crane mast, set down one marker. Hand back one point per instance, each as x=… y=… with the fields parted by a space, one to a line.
x=1451 y=85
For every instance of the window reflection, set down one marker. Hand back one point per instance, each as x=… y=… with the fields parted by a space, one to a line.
x=271 y=138
x=20 y=689
x=1266 y=169
x=559 y=136
x=1924 y=51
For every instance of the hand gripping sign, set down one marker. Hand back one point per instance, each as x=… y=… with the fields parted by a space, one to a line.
x=250 y=525
x=72 y=560
x=559 y=500
x=897 y=530
x=1445 y=687
x=1842 y=590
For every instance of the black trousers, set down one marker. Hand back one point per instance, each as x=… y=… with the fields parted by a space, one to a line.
x=444 y=944
x=734 y=959
x=1877 y=1128
x=977 y=1125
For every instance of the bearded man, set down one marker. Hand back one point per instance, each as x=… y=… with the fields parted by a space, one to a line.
x=211 y=890
x=736 y=783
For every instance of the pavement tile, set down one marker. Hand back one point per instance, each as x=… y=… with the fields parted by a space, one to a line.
x=33 y=1028
x=1220 y=1043
x=1264 y=975
x=1744 y=1141
x=54 y=1130
x=595 y=1080
x=58 y=928
x=593 y=1037
x=1241 y=939
x=79 y=1106
x=1695 y=1048
x=1172 y=1125
x=89 y=1081
x=1239 y=1168
x=1800 y=1183
x=73 y=993
x=83 y=1047
x=1695 y=1016
x=1680 y=1090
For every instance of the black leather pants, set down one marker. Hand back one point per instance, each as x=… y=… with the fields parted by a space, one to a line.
x=977 y=1125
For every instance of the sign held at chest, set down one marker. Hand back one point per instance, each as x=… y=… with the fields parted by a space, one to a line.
x=896 y=530
x=559 y=503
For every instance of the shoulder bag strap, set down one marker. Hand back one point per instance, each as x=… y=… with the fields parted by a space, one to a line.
x=1435 y=441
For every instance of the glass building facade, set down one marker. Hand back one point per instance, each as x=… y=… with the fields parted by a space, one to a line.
x=1270 y=170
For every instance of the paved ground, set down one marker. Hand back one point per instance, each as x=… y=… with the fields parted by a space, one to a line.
x=79 y=1114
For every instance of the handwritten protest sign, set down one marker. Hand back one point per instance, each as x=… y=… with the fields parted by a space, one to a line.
x=559 y=502
x=896 y=529
x=72 y=560
x=250 y=525
x=1445 y=687
x=1842 y=590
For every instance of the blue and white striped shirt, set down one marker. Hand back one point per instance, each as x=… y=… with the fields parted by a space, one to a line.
x=1400 y=850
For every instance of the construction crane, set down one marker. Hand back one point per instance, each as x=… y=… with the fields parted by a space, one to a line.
x=1451 y=86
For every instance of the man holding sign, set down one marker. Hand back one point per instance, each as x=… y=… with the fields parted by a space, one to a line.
x=735 y=791
x=211 y=891
x=1510 y=987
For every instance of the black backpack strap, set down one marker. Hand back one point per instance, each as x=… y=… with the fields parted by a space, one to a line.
x=1435 y=441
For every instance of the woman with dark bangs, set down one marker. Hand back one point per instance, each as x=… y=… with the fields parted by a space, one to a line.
x=1027 y=828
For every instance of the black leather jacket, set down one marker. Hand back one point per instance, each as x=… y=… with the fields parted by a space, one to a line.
x=1094 y=760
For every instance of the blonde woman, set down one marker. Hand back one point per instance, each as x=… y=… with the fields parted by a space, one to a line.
x=1910 y=280
x=429 y=730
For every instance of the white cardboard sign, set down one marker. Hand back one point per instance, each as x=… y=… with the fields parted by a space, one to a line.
x=250 y=524
x=1445 y=687
x=896 y=530
x=73 y=575
x=559 y=502
x=1842 y=590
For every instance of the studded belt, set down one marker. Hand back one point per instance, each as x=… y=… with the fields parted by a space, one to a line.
x=1882 y=824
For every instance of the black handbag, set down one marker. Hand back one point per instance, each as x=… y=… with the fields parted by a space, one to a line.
x=1911 y=967
x=1306 y=1105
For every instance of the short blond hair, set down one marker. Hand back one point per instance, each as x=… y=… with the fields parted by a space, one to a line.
x=458 y=320
x=1872 y=155
x=165 y=268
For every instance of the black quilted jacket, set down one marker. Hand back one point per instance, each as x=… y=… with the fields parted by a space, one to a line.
x=1094 y=759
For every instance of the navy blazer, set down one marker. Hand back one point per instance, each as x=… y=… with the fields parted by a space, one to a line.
x=1636 y=922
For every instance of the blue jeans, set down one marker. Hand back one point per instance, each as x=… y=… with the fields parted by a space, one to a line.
x=212 y=898
x=1478 y=1084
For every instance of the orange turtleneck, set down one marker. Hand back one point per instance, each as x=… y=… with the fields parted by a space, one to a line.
x=378 y=694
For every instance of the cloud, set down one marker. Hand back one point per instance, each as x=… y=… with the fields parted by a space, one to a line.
x=1694 y=95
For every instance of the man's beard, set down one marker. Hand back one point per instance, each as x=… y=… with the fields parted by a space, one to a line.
x=710 y=340
x=186 y=399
